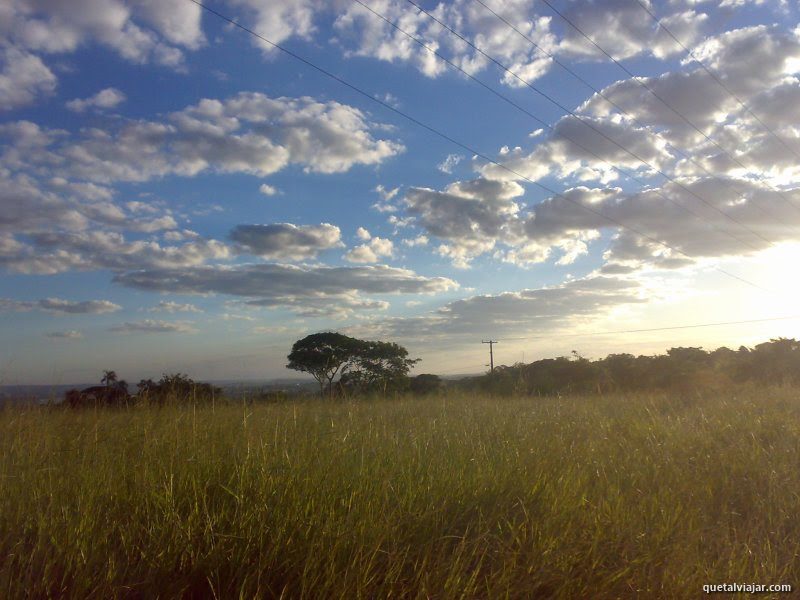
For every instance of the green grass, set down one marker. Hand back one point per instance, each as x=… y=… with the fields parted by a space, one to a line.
x=446 y=498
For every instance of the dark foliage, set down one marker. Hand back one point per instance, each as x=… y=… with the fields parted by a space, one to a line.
x=113 y=392
x=176 y=388
x=363 y=366
x=425 y=384
x=679 y=370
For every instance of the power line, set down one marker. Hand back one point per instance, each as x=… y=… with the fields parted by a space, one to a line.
x=642 y=83
x=715 y=77
x=462 y=145
x=577 y=143
x=634 y=120
x=572 y=113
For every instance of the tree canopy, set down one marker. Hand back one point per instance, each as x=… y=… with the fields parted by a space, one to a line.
x=361 y=365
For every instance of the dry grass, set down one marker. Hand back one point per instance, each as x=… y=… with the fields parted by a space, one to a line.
x=447 y=498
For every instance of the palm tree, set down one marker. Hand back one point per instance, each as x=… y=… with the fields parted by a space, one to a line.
x=109 y=378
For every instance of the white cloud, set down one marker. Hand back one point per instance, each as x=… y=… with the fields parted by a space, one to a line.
x=624 y=29
x=106 y=98
x=386 y=194
x=267 y=190
x=363 y=234
x=57 y=252
x=371 y=252
x=248 y=133
x=469 y=215
x=364 y=34
x=23 y=78
x=420 y=240
x=51 y=26
x=449 y=163
x=279 y=20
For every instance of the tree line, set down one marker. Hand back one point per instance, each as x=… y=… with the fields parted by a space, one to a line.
x=344 y=366
x=172 y=388
x=681 y=369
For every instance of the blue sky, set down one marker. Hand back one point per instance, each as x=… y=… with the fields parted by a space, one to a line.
x=177 y=195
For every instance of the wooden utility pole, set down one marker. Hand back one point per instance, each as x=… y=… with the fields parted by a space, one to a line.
x=491 y=354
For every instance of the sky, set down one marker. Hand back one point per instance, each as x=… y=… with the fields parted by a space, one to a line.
x=178 y=194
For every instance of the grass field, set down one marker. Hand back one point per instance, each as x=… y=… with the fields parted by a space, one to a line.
x=455 y=497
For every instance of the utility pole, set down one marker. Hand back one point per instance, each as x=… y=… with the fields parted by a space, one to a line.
x=491 y=354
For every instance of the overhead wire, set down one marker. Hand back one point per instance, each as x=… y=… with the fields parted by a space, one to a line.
x=685 y=155
x=577 y=143
x=462 y=145
x=504 y=167
x=640 y=81
x=581 y=119
x=715 y=77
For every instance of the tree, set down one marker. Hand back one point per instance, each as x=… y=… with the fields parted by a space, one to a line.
x=176 y=388
x=323 y=356
x=425 y=383
x=109 y=378
x=383 y=365
x=361 y=365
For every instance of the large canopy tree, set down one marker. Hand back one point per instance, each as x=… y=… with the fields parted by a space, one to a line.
x=360 y=364
x=324 y=355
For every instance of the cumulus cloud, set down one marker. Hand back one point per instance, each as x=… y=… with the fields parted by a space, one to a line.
x=285 y=241
x=469 y=215
x=267 y=190
x=366 y=35
x=153 y=326
x=279 y=20
x=624 y=29
x=650 y=212
x=585 y=148
x=29 y=205
x=23 y=78
x=248 y=133
x=106 y=98
x=363 y=234
x=57 y=252
x=750 y=61
x=371 y=252
x=140 y=31
x=420 y=240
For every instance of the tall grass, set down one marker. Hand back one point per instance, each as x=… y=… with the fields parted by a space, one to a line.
x=455 y=497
